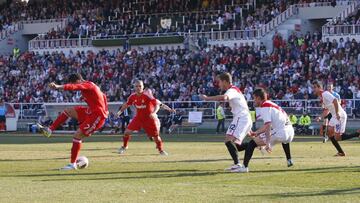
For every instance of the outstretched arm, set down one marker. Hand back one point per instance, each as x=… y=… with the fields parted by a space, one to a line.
x=70 y=87
x=122 y=109
x=214 y=98
x=165 y=107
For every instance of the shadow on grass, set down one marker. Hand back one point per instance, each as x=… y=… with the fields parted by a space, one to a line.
x=78 y=173
x=312 y=170
x=350 y=191
x=149 y=176
x=58 y=138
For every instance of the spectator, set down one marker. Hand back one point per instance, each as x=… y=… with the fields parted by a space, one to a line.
x=2 y=115
x=220 y=115
x=176 y=121
x=294 y=121
x=304 y=123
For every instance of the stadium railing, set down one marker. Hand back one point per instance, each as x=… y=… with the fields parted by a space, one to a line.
x=335 y=30
x=296 y=107
x=330 y=30
x=59 y=43
x=227 y=35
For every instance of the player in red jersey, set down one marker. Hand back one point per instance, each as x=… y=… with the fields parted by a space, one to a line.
x=146 y=108
x=90 y=118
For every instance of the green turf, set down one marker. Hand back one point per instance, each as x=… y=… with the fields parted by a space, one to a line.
x=192 y=173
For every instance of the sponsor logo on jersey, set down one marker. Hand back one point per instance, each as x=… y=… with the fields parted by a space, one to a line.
x=140 y=106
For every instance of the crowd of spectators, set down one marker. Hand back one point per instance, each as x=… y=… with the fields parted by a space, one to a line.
x=117 y=18
x=176 y=74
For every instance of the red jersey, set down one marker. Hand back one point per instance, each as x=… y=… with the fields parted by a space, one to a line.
x=95 y=99
x=144 y=104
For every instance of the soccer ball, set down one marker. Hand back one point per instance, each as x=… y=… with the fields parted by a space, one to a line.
x=82 y=162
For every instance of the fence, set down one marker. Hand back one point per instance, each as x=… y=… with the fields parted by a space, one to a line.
x=59 y=43
x=297 y=107
x=335 y=30
x=332 y=30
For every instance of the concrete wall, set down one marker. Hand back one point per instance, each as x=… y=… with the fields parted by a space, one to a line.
x=320 y=12
x=15 y=40
x=39 y=28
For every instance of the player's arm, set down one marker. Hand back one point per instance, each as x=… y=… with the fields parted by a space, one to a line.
x=70 y=87
x=122 y=109
x=214 y=98
x=266 y=128
x=323 y=114
x=165 y=107
x=336 y=105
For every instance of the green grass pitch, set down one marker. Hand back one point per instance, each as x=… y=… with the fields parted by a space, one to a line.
x=193 y=172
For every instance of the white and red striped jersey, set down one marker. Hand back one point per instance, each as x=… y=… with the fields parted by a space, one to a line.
x=270 y=112
x=237 y=102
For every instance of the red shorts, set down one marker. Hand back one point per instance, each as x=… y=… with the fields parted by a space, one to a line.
x=89 y=121
x=151 y=126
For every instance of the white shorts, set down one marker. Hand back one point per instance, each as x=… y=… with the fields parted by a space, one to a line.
x=339 y=125
x=285 y=135
x=239 y=128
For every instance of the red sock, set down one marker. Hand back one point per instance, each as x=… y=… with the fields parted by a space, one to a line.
x=159 y=143
x=126 y=139
x=59 y=121
x=75 y=149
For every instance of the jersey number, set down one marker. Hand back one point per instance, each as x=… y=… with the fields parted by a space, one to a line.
x=232 y=127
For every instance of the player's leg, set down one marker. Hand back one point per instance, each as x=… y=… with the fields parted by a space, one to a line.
x=74 y=112
x=75 y=149
x=92 y=123
x=331 y=134
x=152 y=129
x=135 y=125
x=237 y=131
x=341 y=135
x=289 y=136
x=256 y=142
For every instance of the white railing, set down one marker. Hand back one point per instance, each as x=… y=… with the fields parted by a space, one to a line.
x=330 y=30
x=10 y=30
x=59 y=43
x=335 y=30
x=297 y=107
x=227 y=35
x=43 y=20
x=275 y=22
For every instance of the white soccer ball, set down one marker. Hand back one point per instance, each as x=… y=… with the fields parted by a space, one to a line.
x=82 y=162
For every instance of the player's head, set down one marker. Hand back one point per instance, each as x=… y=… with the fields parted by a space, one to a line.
x=260 y=96
x=139 y=86
x=317 y=87
x=224 y=81
x=75 y=78
x=330 y=87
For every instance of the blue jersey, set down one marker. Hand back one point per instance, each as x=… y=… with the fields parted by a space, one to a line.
x=336 y=95
x=2 y=110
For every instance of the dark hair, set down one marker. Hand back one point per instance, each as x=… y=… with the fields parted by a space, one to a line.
x=317 y=84
x=75 y=77
x=225 y=77
x=260 y=92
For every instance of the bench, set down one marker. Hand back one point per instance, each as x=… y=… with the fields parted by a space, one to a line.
x=192 y=126
x=315 y=127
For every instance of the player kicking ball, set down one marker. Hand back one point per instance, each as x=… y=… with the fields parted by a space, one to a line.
x=146 y=108
x=241 y=123
x=337 y=123
x=91 y=117
x=277 y=128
